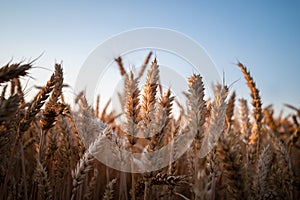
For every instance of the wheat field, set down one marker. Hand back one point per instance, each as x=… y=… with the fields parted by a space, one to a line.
x=254 y=154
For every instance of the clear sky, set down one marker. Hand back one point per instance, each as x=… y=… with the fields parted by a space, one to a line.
x=264 y=35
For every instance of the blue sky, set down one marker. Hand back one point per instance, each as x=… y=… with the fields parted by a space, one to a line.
x=264 y=35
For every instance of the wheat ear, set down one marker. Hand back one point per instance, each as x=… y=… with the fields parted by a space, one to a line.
x=197 y=108
x=254 y=143
x=44 y=190
x=149 y=98
x=109 y=190
x=84 y=164
x=263 y=169
x=11 y=71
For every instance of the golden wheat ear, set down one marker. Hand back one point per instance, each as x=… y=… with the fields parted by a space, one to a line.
x=149 y=95
x=197 y=108
x=254 y=140
x=11 y=71
x=132 y=108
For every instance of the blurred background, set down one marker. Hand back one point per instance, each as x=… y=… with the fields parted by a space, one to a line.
x=263 y=35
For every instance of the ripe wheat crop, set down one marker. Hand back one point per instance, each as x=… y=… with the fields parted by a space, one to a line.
x=251 y=154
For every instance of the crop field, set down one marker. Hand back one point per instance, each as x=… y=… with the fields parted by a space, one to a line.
x=239 y=148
